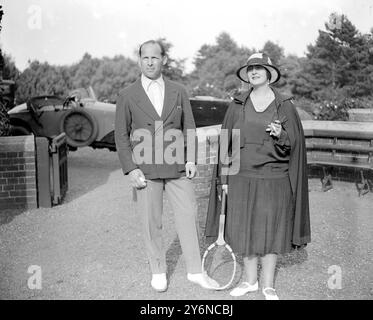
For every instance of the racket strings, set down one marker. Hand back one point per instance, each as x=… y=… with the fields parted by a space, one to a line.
x=219 y=265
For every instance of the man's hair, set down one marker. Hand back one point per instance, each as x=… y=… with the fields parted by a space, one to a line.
x=163 y=50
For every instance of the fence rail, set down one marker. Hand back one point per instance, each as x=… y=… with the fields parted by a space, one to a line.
x=343 y=145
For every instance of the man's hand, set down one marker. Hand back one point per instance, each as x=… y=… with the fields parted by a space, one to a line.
x=137 y=179
x=190 y=170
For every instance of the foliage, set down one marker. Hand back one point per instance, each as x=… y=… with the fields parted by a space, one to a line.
x=107 y=76
x=112 y=76
x=289 y=67
x=4 y=118
x=42 y=79
x=341 y=59
x=361 y=102
x=329 y=110
x=10 y=70
x=216 y=66
x=82 y=73
x=337 y=71
x=336 y=109
x=274 y=51
x=174 y=68
x=310 y=106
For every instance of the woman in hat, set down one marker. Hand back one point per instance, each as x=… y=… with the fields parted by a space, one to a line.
x=267 y=206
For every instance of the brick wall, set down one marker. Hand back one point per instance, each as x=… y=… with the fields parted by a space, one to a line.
x=17 y=172
x=207 y=151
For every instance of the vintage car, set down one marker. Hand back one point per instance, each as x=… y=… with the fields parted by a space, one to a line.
x=86 y=121
x=89 y=122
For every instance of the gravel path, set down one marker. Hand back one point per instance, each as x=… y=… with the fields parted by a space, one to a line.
x=90 y=247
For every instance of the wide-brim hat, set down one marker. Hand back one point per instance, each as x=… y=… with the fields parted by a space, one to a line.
x=259 y=59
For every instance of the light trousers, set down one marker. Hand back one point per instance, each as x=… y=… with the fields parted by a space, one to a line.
x=149 y=205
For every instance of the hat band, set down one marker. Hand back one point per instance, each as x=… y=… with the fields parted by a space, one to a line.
x=257 y=61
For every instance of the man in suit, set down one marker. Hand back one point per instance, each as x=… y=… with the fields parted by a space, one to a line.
x=153 y=121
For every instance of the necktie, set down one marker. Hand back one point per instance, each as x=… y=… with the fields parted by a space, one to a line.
x=155 y=95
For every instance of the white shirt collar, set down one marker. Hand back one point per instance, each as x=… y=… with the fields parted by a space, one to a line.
x=146 y=82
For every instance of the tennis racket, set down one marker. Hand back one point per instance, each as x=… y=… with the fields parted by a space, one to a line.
x=219 y=262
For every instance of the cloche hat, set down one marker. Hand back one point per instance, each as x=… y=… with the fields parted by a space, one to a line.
x=259 y=59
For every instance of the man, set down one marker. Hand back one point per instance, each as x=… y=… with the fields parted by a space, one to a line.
x=147 y=111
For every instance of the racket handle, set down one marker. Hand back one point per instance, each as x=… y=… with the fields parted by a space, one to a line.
x=220 y=241
x=223 y=202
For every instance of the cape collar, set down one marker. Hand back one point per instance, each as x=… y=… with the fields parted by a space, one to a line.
x=279 y=97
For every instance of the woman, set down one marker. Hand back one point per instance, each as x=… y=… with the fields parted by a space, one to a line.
x=267 y=207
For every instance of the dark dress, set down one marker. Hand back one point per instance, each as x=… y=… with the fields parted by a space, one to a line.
x=260 y=205
x=268 y=196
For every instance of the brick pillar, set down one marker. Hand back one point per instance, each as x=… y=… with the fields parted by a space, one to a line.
x=17 y=172
x=207 y=151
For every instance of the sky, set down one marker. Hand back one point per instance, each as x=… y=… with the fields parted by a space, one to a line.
x=61 y=31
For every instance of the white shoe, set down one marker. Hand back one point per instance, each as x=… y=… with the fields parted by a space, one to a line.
x=204 y=281
x=270 y=296
x=159 y=282
x=244 y=288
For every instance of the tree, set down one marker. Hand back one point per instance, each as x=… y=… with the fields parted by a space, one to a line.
x=215 y=67
x=276 y=54
x=112 y=75
x=289 y=67
x=84 y=70
x=4 y=117
x=340 y=62
x=274 y=51
x=10 y=70
x=42 y=79
x=174 y=68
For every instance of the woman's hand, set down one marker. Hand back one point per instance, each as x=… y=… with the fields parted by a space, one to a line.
x=274 y=129
x=224 y=187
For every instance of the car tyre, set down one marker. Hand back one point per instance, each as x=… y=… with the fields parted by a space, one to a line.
x=80 y=127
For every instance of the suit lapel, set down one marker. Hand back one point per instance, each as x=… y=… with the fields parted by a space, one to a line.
x=143 y=102
x=170 y=96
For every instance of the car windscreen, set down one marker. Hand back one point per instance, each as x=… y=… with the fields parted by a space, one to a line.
x=40 y=102
x=208 y=112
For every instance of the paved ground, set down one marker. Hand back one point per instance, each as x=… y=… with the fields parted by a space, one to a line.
x=90 y=247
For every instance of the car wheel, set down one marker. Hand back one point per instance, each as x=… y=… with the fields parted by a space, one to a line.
x=80 y=127
x=18 y=131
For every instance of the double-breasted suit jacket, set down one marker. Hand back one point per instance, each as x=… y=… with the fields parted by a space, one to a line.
x=159 y=138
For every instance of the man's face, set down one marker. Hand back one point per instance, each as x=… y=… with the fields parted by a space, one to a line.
x=151 y=61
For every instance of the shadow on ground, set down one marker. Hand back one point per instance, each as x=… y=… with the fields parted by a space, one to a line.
x=7 y=215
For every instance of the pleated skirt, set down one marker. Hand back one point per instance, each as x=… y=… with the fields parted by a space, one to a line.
x=260 y=215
